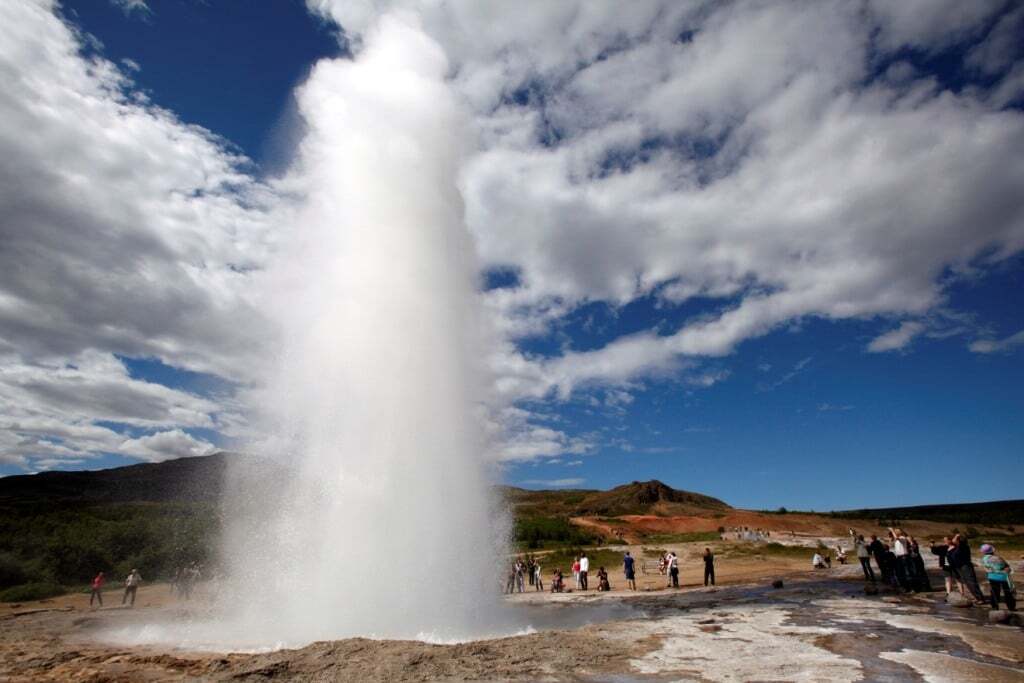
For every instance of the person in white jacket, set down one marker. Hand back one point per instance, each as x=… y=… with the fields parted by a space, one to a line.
x=131 y=585
x=584 y=568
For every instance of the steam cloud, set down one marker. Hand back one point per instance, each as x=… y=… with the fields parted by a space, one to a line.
x=373 y=397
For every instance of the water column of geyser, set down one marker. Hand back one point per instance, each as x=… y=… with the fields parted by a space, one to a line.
x=388 y=528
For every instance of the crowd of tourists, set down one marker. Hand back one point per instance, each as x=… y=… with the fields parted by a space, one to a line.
x=524 y=570
x=525 y=573
x=900 y=561
x=182 y=584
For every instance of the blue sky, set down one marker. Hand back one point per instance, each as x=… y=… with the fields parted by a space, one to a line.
x=720 y=224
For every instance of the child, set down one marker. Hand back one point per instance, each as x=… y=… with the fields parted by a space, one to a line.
x=557 y=585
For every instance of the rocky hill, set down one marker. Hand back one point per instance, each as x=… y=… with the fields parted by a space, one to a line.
x=637 y=498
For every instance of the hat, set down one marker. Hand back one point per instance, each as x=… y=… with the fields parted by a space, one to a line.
x=987 y=549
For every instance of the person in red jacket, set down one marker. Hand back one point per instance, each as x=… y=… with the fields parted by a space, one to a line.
x=97 y=589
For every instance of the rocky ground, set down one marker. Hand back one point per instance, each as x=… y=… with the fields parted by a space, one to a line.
x=817 y=627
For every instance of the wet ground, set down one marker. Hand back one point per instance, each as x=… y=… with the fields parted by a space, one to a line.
x=813 y=629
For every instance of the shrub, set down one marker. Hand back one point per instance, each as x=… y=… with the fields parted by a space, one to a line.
x=536 y=532
x=31 y=591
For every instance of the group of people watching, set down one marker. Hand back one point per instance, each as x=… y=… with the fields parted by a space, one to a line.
x=182 y=584
x=131 y=586
x=899 y=561
x=668 y=564
x=523 y=570
x=901 y=565
x=954 y=555
x=528 y=570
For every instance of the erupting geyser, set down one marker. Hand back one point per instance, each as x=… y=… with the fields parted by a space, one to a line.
x=387 y=529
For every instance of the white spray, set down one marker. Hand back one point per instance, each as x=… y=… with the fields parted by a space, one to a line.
x=387 y=529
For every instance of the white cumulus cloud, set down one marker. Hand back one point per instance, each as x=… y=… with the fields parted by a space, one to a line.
x=782 y=161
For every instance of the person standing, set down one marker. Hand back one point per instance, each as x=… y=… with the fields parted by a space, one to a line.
x=538 y=582
x=96 y=593
x=584 y=568
x=629 y=569
x=921 y=581
x=864 y=557
x=878 y=550
x=940 y=550
x=576 y=571
x=959 y=556
x=131 y=585
x=709 y=566
x=998 y=573
x=673 y=570
x=901 y=549
x=520 y=569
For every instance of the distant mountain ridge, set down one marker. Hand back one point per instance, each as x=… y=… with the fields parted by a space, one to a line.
x=202 y=479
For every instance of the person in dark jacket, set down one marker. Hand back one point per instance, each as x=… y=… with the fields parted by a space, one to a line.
x=939 y=550
x=959 y=558
x=709 y=566
x=877 y=550
x=922 y=583
x=889 y=566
